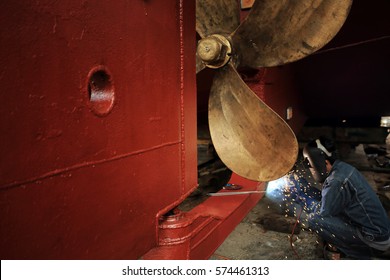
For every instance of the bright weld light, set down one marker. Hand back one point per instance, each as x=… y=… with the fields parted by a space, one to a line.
x=275 y=188
x=385 y=121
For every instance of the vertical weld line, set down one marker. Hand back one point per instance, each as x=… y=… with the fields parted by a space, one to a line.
x=182 y=128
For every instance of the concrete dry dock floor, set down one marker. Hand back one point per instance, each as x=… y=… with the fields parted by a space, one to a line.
x=251 y=241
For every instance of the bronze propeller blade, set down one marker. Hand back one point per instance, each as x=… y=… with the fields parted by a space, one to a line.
x=199 y=64
x=216 y=17
x=281 y=31
x=250 y=138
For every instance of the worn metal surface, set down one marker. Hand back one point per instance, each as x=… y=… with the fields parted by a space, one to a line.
x=216 y=17
x=278 y=32
x=250 y=137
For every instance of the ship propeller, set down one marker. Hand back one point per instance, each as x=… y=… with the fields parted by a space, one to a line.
x=250 y=138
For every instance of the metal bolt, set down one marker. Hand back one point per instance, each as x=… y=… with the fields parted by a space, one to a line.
x=209 y=49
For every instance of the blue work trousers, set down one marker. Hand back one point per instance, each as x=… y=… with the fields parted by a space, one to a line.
x=341 y=234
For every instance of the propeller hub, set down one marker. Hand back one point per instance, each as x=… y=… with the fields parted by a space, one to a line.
x=209 y=49
x=214 y=51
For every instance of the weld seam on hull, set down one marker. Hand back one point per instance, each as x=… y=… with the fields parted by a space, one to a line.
x=84 y=164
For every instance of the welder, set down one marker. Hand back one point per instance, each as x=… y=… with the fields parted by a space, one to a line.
x=349 y=216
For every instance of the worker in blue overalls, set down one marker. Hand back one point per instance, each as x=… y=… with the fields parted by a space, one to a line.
x=349 y=214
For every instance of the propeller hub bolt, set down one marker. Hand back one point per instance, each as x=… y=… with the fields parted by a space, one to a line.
x=214 y=51
x=209 y=49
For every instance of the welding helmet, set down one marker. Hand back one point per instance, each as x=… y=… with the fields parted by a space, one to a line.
x=314 y=154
